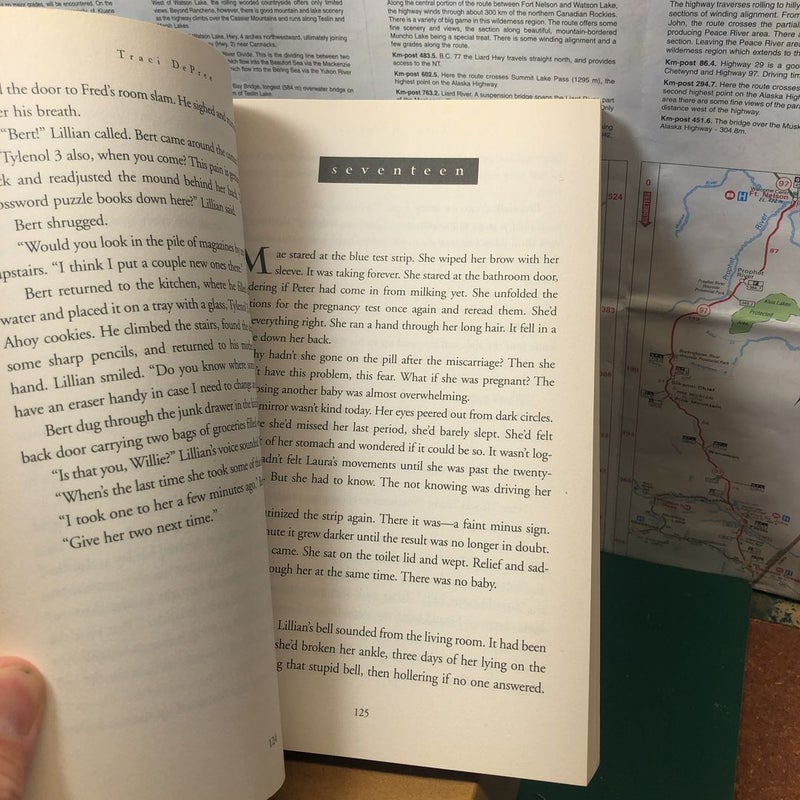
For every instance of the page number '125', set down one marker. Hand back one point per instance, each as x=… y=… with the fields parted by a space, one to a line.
x=361 y=712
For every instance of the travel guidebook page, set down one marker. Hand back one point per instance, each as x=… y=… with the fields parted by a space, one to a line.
x=367 y=330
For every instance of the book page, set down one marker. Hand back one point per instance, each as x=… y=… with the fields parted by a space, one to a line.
x=134 y=569
x=423 y=286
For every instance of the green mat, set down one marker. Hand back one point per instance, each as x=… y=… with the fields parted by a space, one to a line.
x=672 y=660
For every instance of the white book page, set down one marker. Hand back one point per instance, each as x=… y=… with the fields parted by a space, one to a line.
x=425 y=347
x=134 y=572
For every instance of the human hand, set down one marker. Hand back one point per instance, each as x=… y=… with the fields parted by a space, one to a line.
x=22 y=698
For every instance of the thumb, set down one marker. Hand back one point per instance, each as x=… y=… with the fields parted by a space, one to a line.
x=22 y=698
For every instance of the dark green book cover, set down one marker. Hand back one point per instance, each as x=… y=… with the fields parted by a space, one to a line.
x=672 y=663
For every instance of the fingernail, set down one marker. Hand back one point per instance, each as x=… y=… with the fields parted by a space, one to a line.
x=21 y=696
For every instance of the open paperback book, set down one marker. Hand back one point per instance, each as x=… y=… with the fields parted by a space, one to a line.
x=298 y=401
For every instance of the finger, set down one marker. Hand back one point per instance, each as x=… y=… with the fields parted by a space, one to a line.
x=22 y=698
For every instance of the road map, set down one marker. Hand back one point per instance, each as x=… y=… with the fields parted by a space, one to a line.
x=711 y=411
